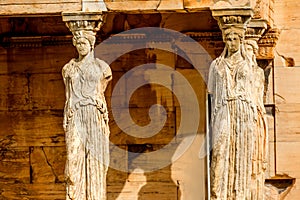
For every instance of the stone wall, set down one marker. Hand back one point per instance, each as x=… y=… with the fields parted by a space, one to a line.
x=32 y=139
x=32 y=147
x=287 y=95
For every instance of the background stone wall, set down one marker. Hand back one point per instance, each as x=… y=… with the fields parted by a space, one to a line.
x=32 y=147
x=287 y=92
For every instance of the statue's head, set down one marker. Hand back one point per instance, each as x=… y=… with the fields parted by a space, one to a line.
x=240 y=32
x=233 y=27
x=251 y=47
x=233 y=38
x=88 y=35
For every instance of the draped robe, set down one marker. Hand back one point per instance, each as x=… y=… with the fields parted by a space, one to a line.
x=259 y=163
x=233 y=125
x=86 y=128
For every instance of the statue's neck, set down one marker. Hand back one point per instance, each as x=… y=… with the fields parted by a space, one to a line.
x=235 y=55
x=82 y=58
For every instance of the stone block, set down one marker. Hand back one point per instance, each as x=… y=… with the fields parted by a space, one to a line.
x=47 y=164
x=288 y=158
x=141 y=118
x=38 y=7
x=143 y=190
x=286 y=85
x=198 y=87
x=14 y=93
x=33 y=191
x=36 y=128
x=287 y=121
x=188 y=166
x=196 y=4
x=47 y=59
x=271 y=166
x=14 y=163
x=117 y=172
x=3 y=60
x=47 y=91
x=294 y=193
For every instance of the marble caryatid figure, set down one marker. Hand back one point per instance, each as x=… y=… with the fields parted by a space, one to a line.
x=233 y=118
x=86 y=119
x=259 y=159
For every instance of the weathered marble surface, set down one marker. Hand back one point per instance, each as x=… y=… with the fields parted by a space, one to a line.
x=233 y=119
x=239 y=131
x=260 y=148
x=86 y=118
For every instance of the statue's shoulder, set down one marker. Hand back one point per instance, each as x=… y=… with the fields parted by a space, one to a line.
x=214 y=64
x=104 y=67
x=102 y=64
x=67 y=67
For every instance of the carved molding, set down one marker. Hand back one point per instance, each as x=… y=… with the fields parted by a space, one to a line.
x=83 y=21
x=256 y=29
x=229 y=17
x=39 y=41
x=267 y=44
x=89 y=21
x=266 y=41
x=233 y=18
x=270 y=38
x=36 y=41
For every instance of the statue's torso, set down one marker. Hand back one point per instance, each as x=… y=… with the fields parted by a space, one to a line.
x=84 y=83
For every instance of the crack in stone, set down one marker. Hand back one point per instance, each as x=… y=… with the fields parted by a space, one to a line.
x=56 y=177
x=158 y=4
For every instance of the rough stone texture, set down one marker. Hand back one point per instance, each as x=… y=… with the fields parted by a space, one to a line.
x=33 y=140
x=11 y=7
x=239 y=129
x=47 y=7
x=31 y=114
x=287 y=96
x=85 y=113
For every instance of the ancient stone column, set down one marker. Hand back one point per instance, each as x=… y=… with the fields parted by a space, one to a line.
x=85 y=113
x=234 y=113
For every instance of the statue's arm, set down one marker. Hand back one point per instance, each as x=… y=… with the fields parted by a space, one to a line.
x=211 y=78
x=106 y=71
x=67 y=92
x=211 y=83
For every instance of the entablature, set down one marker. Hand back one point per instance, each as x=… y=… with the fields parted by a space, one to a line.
x=32 y=28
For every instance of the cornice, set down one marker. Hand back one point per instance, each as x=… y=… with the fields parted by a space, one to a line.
x=36 y=41
x=205 y=36
x=211 y=40
x=140 y=37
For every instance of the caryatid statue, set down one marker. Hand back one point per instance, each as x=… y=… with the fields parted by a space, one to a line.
x=260 y=149
x=234 y=115
x=86 y=117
